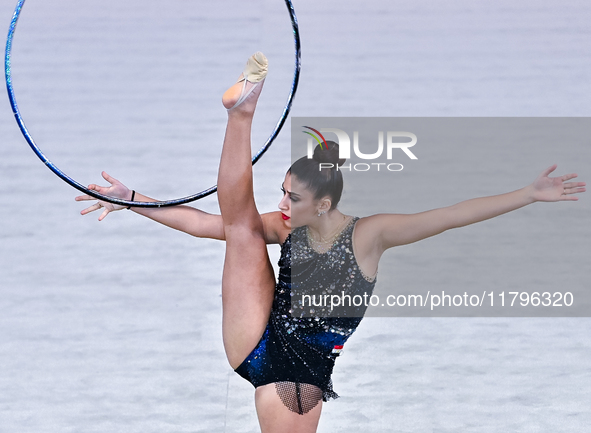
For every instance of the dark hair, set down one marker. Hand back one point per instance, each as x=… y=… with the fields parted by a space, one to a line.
x=322 y=181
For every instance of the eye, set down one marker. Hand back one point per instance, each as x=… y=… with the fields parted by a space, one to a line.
x=289 y=195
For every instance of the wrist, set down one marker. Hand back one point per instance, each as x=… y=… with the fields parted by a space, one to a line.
x=530 y=194
x=132 y=198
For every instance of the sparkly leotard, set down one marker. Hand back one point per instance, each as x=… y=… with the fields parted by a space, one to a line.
x=297 y=352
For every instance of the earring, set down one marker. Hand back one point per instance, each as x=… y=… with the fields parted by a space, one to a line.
x=321 y=213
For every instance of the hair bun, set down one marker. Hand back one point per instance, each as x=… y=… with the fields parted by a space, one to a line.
x=330 y=155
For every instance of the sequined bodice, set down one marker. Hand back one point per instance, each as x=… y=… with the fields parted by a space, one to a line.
x=302 y=270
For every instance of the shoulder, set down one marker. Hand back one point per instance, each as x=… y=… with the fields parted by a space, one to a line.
x=275 y=229
x=364 y=230
x=372 y=226
x=370 y=231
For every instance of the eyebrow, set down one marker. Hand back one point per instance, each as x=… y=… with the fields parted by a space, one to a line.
x=290 y=192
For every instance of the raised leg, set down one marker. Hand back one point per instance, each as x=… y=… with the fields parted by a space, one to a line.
x=248 y=280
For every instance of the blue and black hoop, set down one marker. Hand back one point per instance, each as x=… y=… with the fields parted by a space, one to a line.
x=80 y=187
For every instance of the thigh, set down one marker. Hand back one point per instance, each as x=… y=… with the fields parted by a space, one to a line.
x=274 y=416
x=248 y=286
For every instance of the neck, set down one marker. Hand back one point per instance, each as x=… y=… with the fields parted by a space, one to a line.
x=327 y=225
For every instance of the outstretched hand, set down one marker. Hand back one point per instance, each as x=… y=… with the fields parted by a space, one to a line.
x=117 y=189
x=547 y=188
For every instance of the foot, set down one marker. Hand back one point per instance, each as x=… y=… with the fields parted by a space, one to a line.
x=243 y=95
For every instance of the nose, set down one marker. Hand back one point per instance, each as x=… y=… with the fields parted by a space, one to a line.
x=284 y=203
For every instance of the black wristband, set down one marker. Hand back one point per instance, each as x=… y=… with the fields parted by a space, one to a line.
x=132 y=197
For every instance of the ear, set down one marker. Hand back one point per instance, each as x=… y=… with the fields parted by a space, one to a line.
x=324 y=204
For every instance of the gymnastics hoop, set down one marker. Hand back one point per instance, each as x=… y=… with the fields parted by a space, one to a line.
x=174 y=202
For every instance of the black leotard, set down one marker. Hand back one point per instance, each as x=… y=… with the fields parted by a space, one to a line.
x=296 y=352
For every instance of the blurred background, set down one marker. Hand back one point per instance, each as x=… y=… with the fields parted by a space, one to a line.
x=116 y=326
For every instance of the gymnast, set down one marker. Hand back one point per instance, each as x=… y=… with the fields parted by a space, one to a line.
x=289 y=358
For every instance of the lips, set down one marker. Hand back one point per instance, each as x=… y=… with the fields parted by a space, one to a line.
x=285 y=217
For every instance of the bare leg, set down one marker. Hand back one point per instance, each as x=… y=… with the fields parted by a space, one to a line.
x=275 y=417
x=248 y=281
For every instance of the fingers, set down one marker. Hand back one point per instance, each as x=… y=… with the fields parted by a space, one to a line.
x=568 y=198
x=92 y=208
x=97 y=206
x=569 y=185
x=108 y=178
x=84 y=197
x=573 y=190
x=100 y=189
x=104 y=214
x=549 y=170
x=566 y=177
x=91 y=187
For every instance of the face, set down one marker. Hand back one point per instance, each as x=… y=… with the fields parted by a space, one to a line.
x=298 y=203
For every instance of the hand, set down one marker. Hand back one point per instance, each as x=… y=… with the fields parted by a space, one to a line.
x=547 y=188
x=117 y=189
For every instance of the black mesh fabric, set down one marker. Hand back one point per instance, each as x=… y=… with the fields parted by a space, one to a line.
x=298 y=397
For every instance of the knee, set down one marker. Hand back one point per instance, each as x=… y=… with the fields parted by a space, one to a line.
x=247 y=229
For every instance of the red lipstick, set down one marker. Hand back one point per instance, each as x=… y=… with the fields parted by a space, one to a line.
x=285 y=217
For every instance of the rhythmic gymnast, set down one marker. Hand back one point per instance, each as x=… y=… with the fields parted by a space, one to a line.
x=289 y=359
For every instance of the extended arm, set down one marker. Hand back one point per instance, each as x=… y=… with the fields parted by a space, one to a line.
x=390 y=230
x=183 y=218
